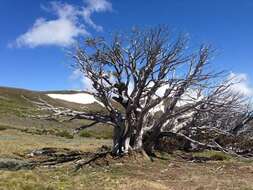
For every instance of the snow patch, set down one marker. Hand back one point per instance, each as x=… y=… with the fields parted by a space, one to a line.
x=80 y=98
x=157 y=108
x=189 y=97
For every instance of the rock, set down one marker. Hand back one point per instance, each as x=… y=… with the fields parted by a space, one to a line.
x=119 y=164
x=14 y=164
x=48 y=151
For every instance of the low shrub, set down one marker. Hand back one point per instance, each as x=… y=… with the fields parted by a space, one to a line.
x=3 y=127
x=65 y=134
x=213 y=155
x=105 y=134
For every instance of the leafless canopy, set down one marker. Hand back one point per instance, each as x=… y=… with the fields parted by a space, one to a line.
x=149 y=81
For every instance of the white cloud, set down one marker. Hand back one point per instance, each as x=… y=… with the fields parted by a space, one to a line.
x=95 y=6
x=242 y=84
x=86 y=83
x=63 y=30
x=60 y=32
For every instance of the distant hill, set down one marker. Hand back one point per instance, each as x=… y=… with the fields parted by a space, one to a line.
x=16 y=108
x=16 y=101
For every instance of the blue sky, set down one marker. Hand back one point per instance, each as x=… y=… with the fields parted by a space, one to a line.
x=36 y=34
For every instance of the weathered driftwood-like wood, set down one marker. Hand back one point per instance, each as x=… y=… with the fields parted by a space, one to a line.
x=157 y=85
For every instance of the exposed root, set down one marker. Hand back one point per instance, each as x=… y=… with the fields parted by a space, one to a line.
x=53 y=157
x=97 y=156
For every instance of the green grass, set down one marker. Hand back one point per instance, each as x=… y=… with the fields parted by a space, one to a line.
x=14 y=106
x=12 y=101
x=135 y=175
x=36 y=131
x=129 y=173
x=3 y=127
x=213 y=155
x=64 y=133
x=6 y=127
x=52 y=131
x=19 y=134
x=102 y=134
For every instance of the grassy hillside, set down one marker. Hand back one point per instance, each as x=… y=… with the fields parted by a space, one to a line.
x=16 y=111
x=20 y=134
x=14 y=101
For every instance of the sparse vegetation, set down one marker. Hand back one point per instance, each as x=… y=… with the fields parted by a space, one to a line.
x=213 y=155
x=37 y=132
x=24 y=134
x=64 y=133
x=3 y=127
x=104 y=134
x=56 y=132
x=175 y=174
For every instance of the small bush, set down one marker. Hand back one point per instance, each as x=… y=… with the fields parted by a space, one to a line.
x=213 y=155
x=56 y=132
x=96 y=134
x=220 y=156
x=3 y=127
x=65 y=134
x=85 y=134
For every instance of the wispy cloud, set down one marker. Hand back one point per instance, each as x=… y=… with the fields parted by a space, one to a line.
x=242 y=84
x=84 y=82
x=92 y=7
x=68 y=24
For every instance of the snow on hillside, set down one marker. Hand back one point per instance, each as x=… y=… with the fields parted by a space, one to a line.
x=80 y=98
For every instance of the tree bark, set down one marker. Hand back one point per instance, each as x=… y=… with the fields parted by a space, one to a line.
x=124 y=140
x=121 y=140
x=138 y=140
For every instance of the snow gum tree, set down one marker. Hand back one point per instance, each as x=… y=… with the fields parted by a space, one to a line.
x=151 y=85
x=142 y=72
